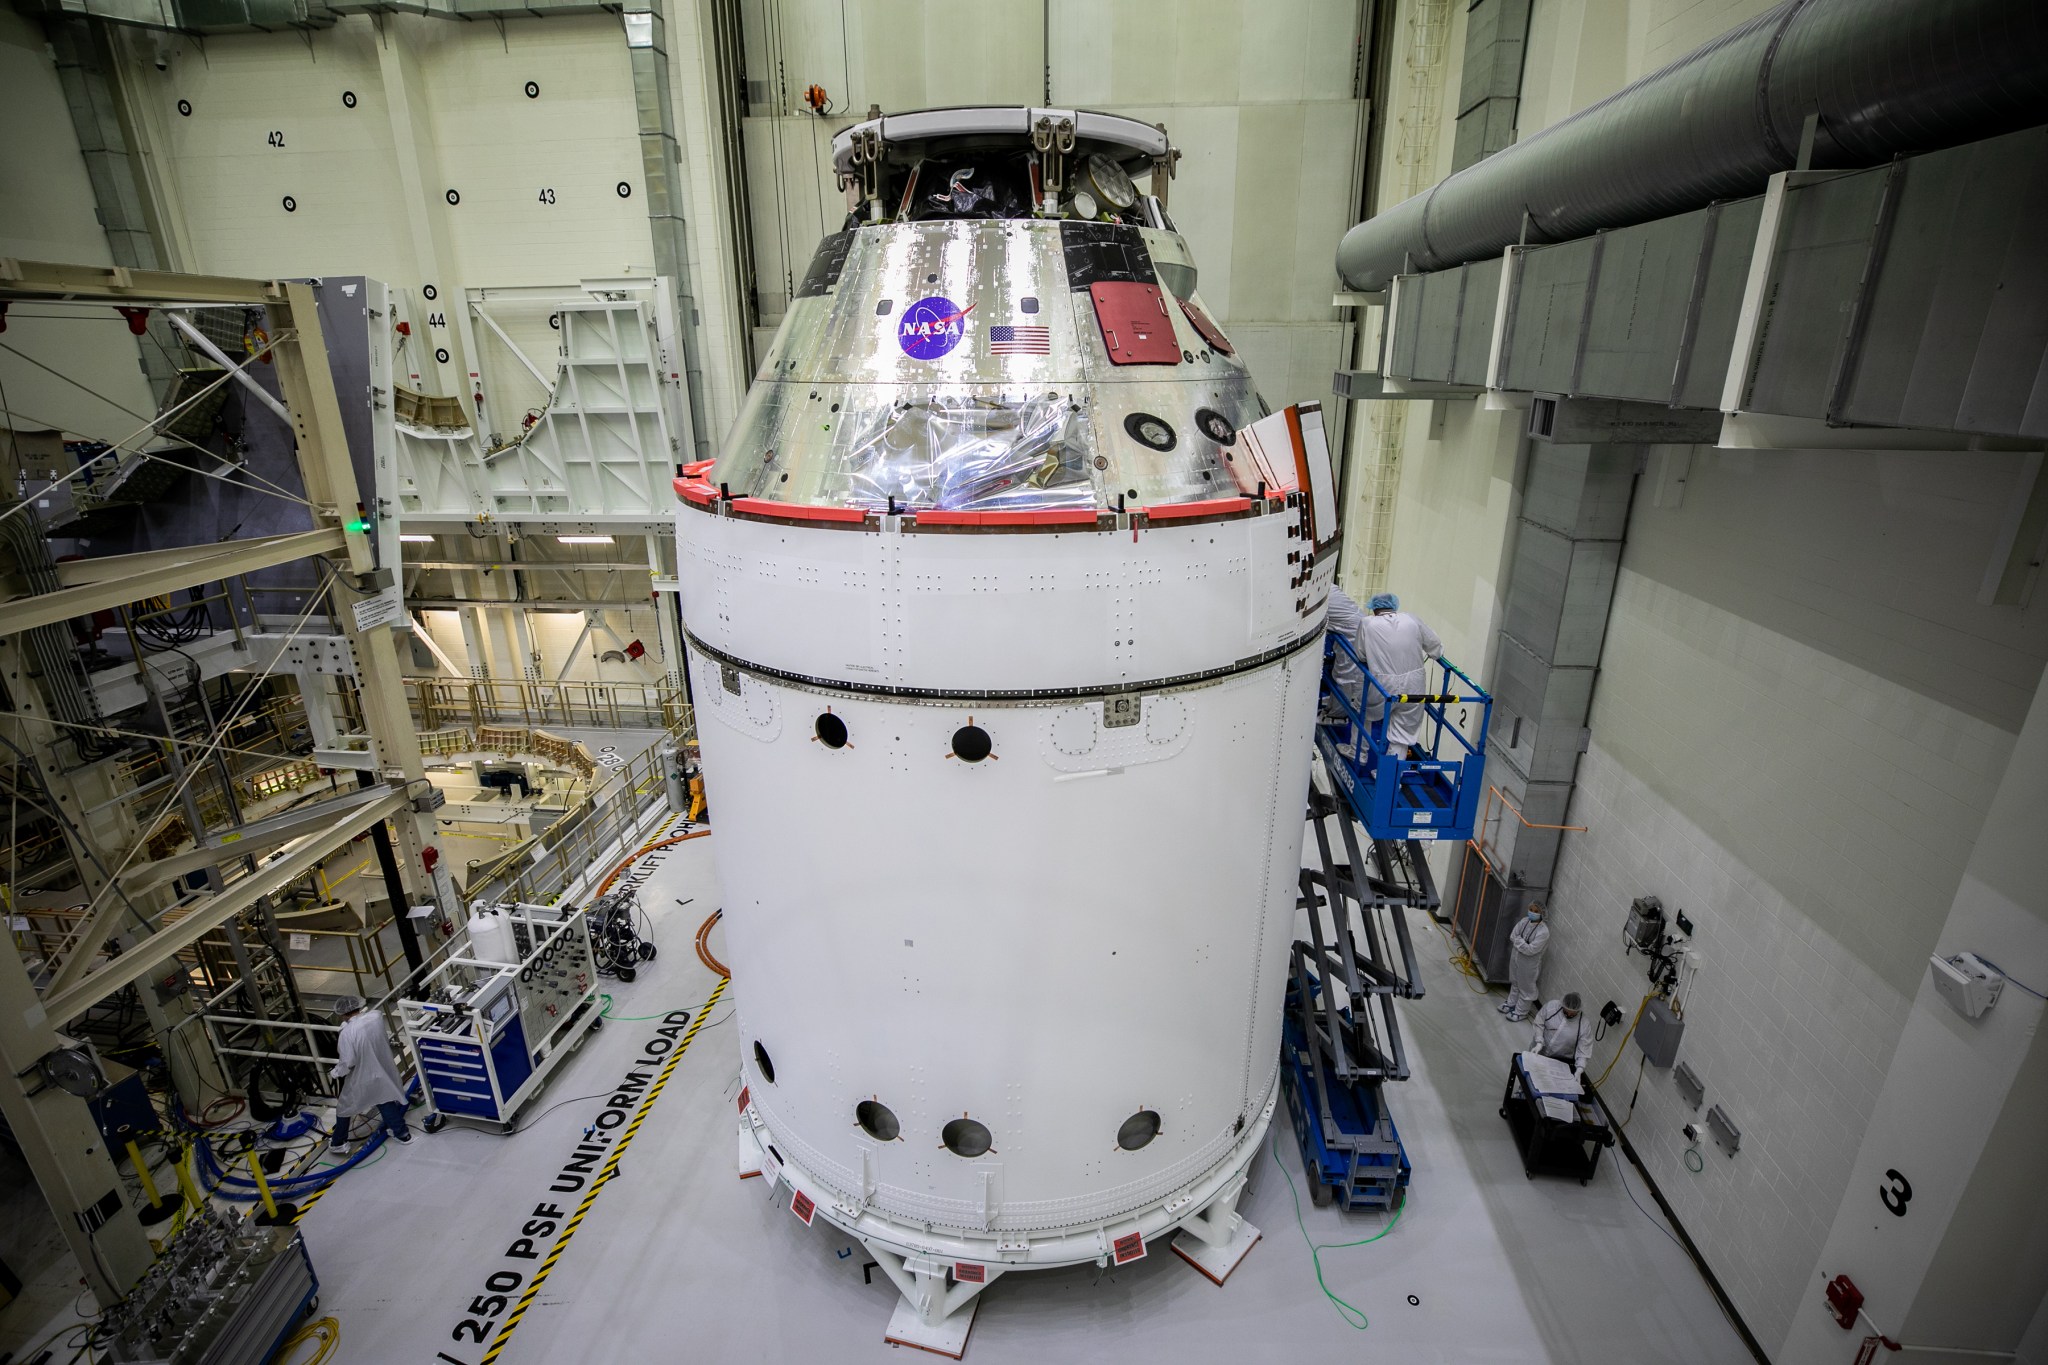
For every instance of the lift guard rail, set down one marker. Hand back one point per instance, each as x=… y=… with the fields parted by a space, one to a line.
x=1430 y=792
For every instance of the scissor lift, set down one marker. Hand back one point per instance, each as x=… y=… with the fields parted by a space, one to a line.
x=1429 y=791
x=1341 y=1039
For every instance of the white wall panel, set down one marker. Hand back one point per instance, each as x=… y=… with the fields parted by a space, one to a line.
x=1258 y=97
x=337 y=164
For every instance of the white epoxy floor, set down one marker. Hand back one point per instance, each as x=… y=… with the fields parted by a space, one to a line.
x=679 y=1259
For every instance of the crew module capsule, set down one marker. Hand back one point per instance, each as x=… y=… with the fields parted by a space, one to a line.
x=1004 y=606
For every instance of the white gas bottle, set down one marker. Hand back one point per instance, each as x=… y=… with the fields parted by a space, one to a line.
x=490 y=936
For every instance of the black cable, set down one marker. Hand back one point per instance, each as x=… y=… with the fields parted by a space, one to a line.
x=552 y=1108
x=1629 y=1190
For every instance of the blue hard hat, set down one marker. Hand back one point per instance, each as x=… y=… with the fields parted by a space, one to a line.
x=1385 y=601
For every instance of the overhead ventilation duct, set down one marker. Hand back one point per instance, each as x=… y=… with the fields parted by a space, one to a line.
x=212 y=17
x=192 y=16
x=1879 y=77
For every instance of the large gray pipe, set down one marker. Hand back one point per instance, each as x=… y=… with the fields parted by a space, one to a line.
x=1885 y=77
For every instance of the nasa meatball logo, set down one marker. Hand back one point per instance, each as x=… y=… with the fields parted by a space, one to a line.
x=931 y=327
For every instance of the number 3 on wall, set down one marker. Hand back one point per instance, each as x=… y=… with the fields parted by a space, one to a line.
x=1897 y=1194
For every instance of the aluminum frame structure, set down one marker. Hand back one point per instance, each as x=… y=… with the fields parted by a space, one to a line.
x=55 y=1128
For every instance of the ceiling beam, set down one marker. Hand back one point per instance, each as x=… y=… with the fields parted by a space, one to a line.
x=145 y=958
x=117 y=580
x=58 y=281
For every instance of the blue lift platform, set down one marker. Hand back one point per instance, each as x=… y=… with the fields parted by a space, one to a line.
x=1429 y=791
x=1341 y=1040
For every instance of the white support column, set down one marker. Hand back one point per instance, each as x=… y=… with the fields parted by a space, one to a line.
x=476 y=645
x=1215 y=1240
x=667 y=624
x=424 y=193
x=931 y=1316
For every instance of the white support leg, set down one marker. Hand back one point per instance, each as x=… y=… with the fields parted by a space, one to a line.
x=749 y=1148
x=1217 y=1238
x=932 y=1315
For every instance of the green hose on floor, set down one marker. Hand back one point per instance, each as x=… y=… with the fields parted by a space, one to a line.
x=1351 y=1313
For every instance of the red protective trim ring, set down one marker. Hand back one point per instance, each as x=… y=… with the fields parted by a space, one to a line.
x=698 y=468
x=1069 y=517
x=695 y=491
x=789 y=511
x=1213 y=507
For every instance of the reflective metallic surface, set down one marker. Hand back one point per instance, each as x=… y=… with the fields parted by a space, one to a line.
x=1883 y=77
x=953 y=365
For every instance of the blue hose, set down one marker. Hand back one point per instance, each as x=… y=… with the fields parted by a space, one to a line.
x=283 y=1187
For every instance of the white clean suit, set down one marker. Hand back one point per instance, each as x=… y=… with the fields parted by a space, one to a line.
x=1398 y=648
x=1568 y=1040
x=1525 y=960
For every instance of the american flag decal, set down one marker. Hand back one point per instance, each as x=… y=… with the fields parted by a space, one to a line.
x=1019 y=340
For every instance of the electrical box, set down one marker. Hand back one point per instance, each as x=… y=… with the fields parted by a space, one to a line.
x=1645 y=923
x=1966 y=983
x=1658 y=1032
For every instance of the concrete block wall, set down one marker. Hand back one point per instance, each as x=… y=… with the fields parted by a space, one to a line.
x=1807 y=782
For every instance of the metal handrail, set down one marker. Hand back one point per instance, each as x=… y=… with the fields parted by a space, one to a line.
x=1433 y=704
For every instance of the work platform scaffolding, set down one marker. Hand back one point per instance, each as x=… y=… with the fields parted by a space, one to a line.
x=1341 y=1041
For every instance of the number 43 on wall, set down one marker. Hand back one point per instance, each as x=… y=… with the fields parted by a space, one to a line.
x=547 y=196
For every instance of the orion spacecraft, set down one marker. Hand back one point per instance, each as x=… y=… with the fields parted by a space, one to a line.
x=1004 y=604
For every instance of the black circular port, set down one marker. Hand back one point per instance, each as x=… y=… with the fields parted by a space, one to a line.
x=185 y=108
x=348 y=99
x=1216 y=426
x=291 y=205
x=831 y=731
x=877 y=1120
x=966 y=1137
x=764 y=1063
x=971 y=744
x=1154 y=433
x=454 y=197
x=1137 y=1130
x=533 y=90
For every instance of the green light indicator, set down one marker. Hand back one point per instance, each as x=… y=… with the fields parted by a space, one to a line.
x=359 y=525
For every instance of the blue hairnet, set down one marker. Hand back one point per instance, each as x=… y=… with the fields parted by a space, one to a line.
x=1385 y=601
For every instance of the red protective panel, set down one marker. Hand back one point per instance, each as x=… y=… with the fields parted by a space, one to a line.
x=699 y=469
x=695 y=491
x=1211 y=333
x=1213 y=507
x=789 y=511
x=1135 y=327
x=1077 y=516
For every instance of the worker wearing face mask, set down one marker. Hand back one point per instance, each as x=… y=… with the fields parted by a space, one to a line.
x=1561 y=1033
x=1398 y=648
x=1526 y=945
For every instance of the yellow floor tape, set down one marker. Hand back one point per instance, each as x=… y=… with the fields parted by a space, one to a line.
x=604 y=1176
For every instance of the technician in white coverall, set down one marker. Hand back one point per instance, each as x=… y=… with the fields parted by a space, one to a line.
x=1561 y=1032
x=1526 y=946
x=368 y=1075
x=1398 y=648
x=1347 y=618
